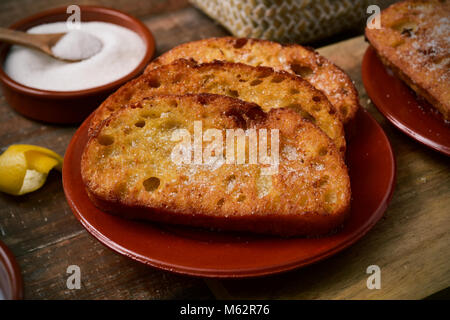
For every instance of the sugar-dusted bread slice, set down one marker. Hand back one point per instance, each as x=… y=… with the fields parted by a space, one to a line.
x=414 y=41
x=129 y=170
x=305 y=62
x=260 y=85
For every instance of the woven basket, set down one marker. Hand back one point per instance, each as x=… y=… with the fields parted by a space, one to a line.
x=298 y=21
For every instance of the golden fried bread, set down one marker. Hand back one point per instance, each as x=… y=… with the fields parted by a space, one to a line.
x=261 y=85
x=128 y=168
x=414 y=41
x=307 y=63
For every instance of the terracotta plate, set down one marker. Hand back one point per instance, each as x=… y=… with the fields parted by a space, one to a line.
x=11 y=285
x=399 y=104
x=214 y=254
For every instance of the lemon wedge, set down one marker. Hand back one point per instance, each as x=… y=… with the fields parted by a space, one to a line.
x=24 y=168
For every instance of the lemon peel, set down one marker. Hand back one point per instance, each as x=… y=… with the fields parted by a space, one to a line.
x=24 y=168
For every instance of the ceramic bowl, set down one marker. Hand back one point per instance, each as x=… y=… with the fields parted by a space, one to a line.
x=66 y=107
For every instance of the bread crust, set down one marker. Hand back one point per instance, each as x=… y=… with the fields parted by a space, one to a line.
x=261 y=85
x=414 y=41
x=309 y=197
x=304 y=62
x=311 y=224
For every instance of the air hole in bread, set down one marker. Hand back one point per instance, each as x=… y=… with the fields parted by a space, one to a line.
x=316 y=108
x=344 y=110
x=323 y=151
x=250 y=59
x=264 y=73
x=277 y=79
x=321 y=182
x=202 y=100
x=177 y=78
x=442 y=61
x=105 y=140
x=324 y=179
x=153 y=83
x=397 y=43
x=406 y=28
x=140 y=124
x=316 y=99
x=233 y=93
x=120 y=188
x=255 y=82
x=220 y=202
x=407 y=32
x=170 y=124
x=307 y=116
x=294 y=106
x=302 y=71
x=173 y=103
x=239 y=43
x=343 y=90
x=151 y=184
x=294 y=91
x=241 y=198
x=205 y=79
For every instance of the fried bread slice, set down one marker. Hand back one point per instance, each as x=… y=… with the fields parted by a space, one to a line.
x=129 y=168
x=261 y=85
x=414 y=41
x=304 y=62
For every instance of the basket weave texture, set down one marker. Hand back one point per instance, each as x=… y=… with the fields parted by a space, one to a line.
x=298 y=21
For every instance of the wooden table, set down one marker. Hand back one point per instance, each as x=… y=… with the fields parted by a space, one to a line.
x=411 y=244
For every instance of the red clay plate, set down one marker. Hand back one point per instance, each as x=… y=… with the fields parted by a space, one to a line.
x=226 y=255
x=400 y=105
x=11 y=284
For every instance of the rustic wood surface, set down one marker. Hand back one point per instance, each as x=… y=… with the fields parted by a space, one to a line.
x=411 y=244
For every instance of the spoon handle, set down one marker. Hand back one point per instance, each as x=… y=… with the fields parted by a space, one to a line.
x=42 y=42
x=17 y=37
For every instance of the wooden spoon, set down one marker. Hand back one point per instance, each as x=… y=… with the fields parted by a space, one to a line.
x=41 y=42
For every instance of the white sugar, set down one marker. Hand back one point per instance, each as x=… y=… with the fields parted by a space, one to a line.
x=77 y=45
x=121 y=52
x=290 y=153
